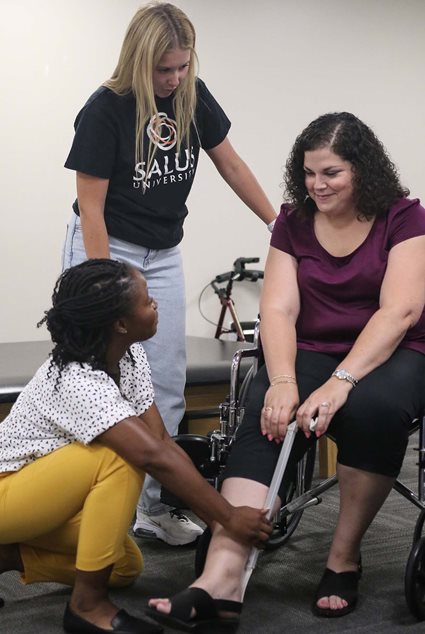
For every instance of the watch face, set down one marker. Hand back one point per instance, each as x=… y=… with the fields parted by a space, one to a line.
x=346 y=376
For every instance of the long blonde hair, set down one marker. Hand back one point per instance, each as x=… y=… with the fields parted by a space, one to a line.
x=154 y=30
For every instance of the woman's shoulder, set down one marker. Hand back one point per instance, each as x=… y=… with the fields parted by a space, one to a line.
x=405 y=220
x=81 y=374
x=105 y=100
x=139 y=355
x=50 y=382
x=408 y=208
x=286 y=209
x=404 y=203
x=200 y=86
x=288 y=215
x=204 y=96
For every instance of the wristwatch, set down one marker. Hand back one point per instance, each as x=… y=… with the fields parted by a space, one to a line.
x=343 y=375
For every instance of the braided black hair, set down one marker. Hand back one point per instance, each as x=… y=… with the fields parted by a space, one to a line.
x=376 y=185
x=86 y=301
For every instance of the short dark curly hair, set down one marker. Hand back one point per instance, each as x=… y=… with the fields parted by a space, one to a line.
x=87 y=300
x=376 y=184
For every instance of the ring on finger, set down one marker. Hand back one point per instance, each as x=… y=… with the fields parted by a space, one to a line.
x=268 y=409
x=325 y=404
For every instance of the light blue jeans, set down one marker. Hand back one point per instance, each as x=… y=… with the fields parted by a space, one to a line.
x=166 y=351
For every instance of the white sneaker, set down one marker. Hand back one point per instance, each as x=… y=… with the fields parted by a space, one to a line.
x=172 y=527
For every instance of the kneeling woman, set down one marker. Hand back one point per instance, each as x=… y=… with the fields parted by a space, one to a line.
x=74 y=449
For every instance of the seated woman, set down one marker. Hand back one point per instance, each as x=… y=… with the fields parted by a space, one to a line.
x=343 y=332
x=74 y=449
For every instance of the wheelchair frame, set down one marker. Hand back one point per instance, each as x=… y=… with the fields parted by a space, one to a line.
x=231 y=414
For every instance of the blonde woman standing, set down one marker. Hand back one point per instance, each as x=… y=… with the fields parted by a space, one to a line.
x=135 y=153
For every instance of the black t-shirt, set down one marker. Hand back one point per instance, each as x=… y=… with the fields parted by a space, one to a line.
x=104 y=146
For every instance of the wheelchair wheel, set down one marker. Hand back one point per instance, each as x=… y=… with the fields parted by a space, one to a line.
x=414 y=580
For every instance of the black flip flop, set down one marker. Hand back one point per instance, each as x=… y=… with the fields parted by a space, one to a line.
x=207 y=611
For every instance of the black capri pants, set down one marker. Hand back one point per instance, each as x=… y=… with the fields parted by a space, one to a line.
x=370 y=430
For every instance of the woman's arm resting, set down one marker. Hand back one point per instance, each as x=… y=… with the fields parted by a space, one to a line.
x=239 y=177
x=279 y=311
x=402 y=302
x=133 y=440
x=91 y=195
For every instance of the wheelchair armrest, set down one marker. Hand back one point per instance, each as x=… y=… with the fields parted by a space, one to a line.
x=255 y=353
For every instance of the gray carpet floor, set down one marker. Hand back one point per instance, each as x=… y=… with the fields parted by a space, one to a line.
x=280 y=592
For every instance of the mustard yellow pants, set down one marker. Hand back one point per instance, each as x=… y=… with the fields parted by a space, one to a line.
x=72 y=509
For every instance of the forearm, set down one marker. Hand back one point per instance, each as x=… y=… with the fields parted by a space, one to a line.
x=95 y=235
x=377 y=341
x=278 y=340
x=243 y=182
x=91 y=194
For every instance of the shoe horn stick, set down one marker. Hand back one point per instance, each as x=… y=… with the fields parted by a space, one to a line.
x=271 y=496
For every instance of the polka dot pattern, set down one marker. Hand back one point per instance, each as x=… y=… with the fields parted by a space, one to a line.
x=84 y=404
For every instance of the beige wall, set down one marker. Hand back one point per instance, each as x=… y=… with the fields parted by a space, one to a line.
x=273 y=65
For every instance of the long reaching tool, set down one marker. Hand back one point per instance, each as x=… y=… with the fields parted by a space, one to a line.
x=273 y=491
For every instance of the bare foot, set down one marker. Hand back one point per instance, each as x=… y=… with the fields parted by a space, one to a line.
x=333 y=602
x=164 y=605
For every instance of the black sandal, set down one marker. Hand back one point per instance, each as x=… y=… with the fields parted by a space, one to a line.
x=340 y=584
x=207 y=611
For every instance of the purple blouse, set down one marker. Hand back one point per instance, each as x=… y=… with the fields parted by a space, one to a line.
x=340 y=294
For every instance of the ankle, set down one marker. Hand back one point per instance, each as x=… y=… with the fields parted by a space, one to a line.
x=87 y=602
x=343 y=563
x=10 y=558
x=99 y=614
x=228 y=590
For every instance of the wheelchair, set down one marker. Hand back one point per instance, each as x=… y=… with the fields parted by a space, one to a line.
x=209 y=453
